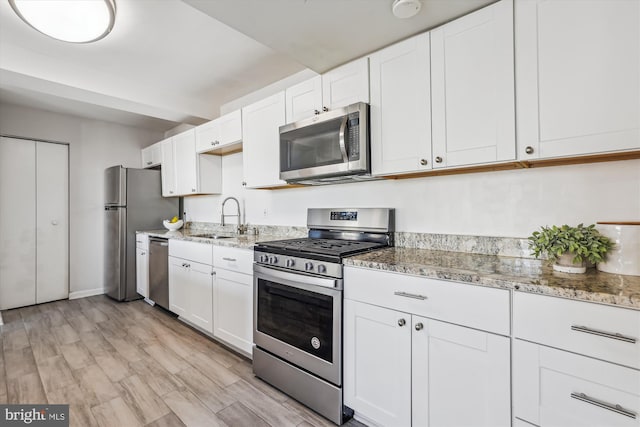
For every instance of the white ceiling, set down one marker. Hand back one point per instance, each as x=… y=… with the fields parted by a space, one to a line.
x=170 y=61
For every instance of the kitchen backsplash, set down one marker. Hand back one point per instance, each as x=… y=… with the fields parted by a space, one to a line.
x=502 y=246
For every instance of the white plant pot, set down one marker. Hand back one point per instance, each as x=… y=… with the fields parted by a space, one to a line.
x=565 y=264
x=624 y=257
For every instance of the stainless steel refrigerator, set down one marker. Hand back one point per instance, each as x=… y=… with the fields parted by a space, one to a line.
x=133 y=202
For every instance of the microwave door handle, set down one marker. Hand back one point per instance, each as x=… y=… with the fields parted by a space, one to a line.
x=343 y=145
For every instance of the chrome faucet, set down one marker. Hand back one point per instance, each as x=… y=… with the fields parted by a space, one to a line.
x=241 y=228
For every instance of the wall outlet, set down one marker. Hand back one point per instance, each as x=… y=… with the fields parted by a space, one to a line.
x=265 y=213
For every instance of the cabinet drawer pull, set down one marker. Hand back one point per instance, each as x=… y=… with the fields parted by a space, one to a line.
x=613 y=408
x=229 y=259
x=408 y=295
x=614 y=336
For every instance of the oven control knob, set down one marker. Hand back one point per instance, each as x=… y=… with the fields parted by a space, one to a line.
x=308 y=266
x=290 y=263
x=264 y=258
x=273 y=260
x=322 y=268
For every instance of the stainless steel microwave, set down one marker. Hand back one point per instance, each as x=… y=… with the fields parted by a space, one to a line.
x=326 y=148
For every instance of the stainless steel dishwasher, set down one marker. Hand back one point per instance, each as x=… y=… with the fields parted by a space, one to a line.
x=159 y=271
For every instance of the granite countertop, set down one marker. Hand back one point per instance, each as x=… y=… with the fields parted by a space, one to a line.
x=244 y=241
x=520 y=274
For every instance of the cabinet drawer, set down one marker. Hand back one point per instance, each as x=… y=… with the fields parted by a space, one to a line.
x=198 y=252
x=468 y=305
x=578 y=326
x=557 y=388
x=234 y=259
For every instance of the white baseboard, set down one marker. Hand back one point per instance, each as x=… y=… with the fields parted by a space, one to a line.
x=86 y=293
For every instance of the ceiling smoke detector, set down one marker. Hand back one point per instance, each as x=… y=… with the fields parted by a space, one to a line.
x=406 y=8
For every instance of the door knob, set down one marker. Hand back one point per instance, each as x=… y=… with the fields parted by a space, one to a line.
x=438 y=159
x=423 y=162
x=529 y=150
x=419 y=326
x=402 y=322
x=325 y=109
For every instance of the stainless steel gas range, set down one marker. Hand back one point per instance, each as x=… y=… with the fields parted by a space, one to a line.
x=298 y=304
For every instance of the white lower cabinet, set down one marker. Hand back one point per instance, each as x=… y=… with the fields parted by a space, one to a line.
x=406 y=370
x=557 y=388
x=191 y=291
x=233 y=297
x=191 y=282
x=142 y=264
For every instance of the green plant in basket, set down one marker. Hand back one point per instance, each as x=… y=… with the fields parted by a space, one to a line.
x=577 y=244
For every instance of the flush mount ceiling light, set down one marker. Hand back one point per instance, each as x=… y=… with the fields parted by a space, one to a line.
x=406 y=8
x=75 y=21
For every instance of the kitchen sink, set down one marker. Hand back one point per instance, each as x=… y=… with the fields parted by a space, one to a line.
x=213 y=236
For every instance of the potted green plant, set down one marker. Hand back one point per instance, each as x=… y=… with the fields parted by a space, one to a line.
x=570 y=247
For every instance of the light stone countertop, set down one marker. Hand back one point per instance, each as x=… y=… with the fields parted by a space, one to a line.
x=243 y=241
x=520 y=274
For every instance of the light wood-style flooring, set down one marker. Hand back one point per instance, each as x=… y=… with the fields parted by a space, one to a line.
x=130 y=364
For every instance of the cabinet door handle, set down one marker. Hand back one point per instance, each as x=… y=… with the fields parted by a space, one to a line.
x=438 y=159
x=408 y=295
x=402 y=322
x=229 y=259
x=608 y=406
x=419 y=326
x=149 y=163
x=613 y=336
x=213 y=273
x=143 y=253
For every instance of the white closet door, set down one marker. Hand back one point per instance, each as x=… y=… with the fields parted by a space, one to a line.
x=17 y=223
x=52 y=213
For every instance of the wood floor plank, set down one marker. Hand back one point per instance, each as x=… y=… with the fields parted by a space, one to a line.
x=79 y=411
x=55 y=318
x=113 y=365
x=141 y=398
x=80 y=323
x=3 y=379
x=25 y=389
x=19 y=362
x=169 y=420
x=126 y=349
x=190 y=410
x=115 y=413
x=43 y=343
x=156 y=377
x=213 y=396
x=112 y=328
x=65 y=334
x=95 y=315
x=95 y=343
x=239 y=415
x=76 y=355
x=95 y=385
x=141 y=336
x=167 y=358
x=264 y=406
x=55 y=373
x=16 y=339
x=212 y=369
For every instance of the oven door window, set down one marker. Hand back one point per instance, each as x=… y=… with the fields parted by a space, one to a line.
x=300 y=318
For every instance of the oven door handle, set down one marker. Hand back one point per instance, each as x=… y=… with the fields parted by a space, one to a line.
x=276 y=275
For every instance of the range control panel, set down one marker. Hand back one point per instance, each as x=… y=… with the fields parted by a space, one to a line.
x=344 y=216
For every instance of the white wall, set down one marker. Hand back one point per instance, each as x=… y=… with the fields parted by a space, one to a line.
x=93 y=146
x=506 y=203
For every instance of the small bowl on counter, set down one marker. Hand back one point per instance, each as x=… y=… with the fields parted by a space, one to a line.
x=173 y=225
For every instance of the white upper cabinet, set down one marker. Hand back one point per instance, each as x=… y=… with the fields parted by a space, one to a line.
x=337 y=88
x=168 y=168
x=185 y=162
x=346 y=84
x=184 y=172
x=152 y=155
x=472 y=88
x=261 y=139
x=221 y=135
x=401 y=107
x=304 y=99
x=578 y=73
